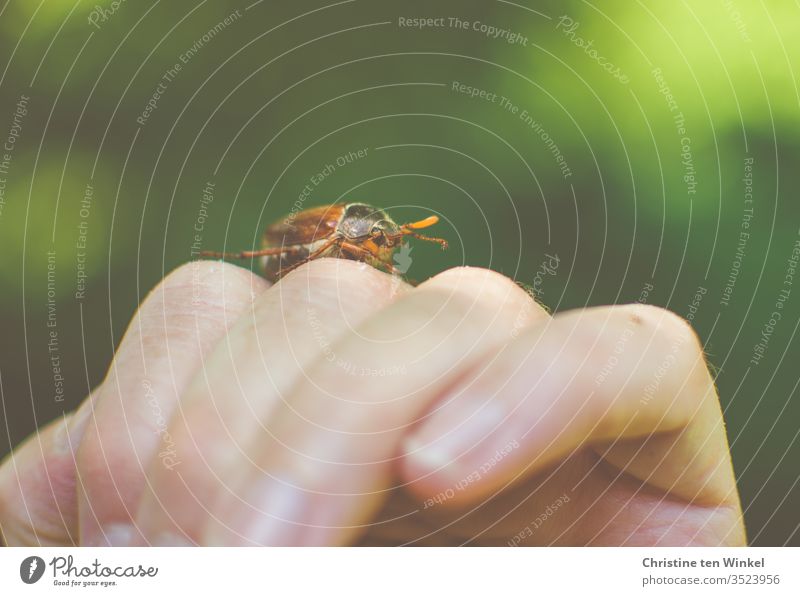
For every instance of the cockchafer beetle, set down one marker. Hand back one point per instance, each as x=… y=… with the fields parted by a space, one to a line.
x=354 y=231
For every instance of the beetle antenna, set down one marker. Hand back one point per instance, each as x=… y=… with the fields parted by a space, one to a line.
x=249 y=254
x=409 y=230
x=422 y=224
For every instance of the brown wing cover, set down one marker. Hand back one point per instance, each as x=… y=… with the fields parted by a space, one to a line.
x=305 y=227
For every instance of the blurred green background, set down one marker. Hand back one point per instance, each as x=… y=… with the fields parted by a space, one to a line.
x=637 y=142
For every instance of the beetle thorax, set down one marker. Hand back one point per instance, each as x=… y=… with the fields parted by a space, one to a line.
x=359 y=220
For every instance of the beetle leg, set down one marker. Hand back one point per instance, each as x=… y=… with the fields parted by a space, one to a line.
x=356 y=250
x=388 y=267
x=312 y=256
x=249 y=254
x=366 y=255
x=440 y=241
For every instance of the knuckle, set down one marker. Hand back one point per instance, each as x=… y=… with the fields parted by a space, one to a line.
x=670 y=347
x=202 y=285
x=471 y=275
x=339 y=278
x=666 y=326
x=334 y=268
x=103 y=461
x=208 y=275
x=478 y=281
x=20 y=521
x=643 y=335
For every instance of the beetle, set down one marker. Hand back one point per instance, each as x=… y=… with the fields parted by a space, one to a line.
x=354 y=231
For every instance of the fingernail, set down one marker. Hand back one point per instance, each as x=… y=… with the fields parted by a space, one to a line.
x=283 y=511
x=170 y=539
x=448 y=437
x=260 y=517
x=113 y=535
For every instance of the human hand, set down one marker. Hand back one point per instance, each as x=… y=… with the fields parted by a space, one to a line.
x=342 y=406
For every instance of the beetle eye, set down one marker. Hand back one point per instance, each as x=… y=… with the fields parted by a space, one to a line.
x=378 y=237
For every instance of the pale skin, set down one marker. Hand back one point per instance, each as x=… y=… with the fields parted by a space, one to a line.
x=341 y=406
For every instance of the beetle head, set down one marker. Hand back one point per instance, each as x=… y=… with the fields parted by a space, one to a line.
x=378 y=233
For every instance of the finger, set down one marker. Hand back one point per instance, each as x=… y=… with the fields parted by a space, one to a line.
x=251 y=373
x=38 y=497
x=175 y=328
x=632 y=381
x=325 y=461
